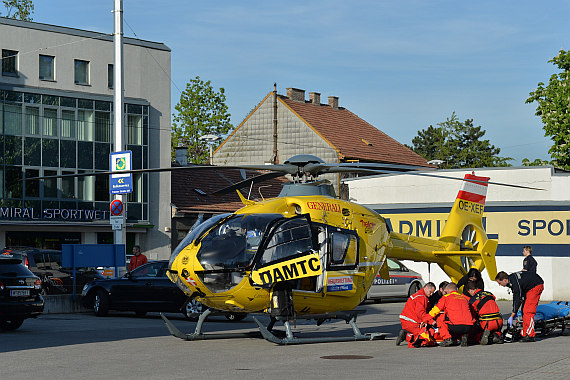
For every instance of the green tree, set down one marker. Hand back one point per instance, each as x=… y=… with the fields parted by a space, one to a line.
x=458 y=144
x=19 y=9
x=200 y=111
x=537 y=162
x=554 y=109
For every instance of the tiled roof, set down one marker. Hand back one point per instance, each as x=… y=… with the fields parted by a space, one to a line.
x=352 y=137
x=187 y=186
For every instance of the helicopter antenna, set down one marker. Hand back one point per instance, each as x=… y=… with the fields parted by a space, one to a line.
x=259 y=189
x=250 y=189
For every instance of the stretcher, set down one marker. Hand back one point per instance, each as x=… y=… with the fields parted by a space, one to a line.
x=548 y=318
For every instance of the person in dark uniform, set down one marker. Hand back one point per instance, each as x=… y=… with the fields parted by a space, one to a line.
x=473 y=275
x=437 y=295
x=529 y=263
x=527 y=288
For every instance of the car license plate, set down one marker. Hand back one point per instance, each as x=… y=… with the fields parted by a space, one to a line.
x=19 y=293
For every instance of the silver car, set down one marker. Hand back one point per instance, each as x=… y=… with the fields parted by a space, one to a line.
x=403 y=282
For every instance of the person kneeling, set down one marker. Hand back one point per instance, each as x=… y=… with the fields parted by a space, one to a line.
x=458 y=320
x=412 y=316
x=487 y=328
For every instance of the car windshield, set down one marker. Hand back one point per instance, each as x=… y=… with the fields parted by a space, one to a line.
x=232 y=244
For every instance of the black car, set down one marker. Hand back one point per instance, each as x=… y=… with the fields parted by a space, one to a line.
x=20 y=296
x=143 y=290
x=46 y=264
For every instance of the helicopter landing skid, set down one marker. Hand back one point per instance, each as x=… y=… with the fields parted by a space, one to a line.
x=199 y=335
x=348 y=316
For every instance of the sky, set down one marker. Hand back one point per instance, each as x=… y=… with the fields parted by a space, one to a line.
x=400 y=65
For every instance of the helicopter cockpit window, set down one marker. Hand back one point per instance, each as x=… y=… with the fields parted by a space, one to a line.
x=195 y=233
x=343 y=250
x=292 y=237
x=232 y=244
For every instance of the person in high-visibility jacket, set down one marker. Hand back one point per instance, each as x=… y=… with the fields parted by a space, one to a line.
x=489 y=320
x=413 y=315
x=458 y=320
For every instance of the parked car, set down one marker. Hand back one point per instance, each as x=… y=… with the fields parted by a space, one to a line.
x=143 y=290
x=403 y=282
x=20 y=296
x=46 y=264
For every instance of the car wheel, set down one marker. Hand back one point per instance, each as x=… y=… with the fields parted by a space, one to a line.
x=101 y=303
x=235 y=317
x=414 y=288
x=11 y=324
x=192 y=308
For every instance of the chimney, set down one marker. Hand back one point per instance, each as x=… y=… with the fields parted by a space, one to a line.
x=315 y=98
x=181 y=155
x=333 y=102
x=296 y=94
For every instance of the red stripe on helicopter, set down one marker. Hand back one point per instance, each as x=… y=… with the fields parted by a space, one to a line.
x=476 y=198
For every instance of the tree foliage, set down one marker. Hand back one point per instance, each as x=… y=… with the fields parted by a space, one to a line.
x=458 y=145
x=19 y=9
x=200 y=111
x=537 y=162
x=554 y=109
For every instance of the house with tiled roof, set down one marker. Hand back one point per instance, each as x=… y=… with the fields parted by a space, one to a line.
x=280 y=127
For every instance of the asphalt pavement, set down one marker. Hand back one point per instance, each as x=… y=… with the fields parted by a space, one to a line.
x=123 y=346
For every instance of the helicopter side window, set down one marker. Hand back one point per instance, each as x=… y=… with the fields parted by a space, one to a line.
x=292 y=237
x=343 y=251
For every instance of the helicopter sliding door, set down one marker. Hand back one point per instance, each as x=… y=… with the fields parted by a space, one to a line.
x=287 y=254
x=342 y=262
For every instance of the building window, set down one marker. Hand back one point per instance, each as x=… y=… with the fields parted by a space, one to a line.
x=81 y=72
x=9 y=62
x=110 y=76
x=47 y=65
x=50 y=122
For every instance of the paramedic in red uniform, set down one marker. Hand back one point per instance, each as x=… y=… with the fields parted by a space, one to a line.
x=414 y=313
x=458 y=320
x=487 y=328
x=527 y=288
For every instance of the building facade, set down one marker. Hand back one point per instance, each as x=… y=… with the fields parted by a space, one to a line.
x=515 y=217
x=56 y=117
x=281 y=126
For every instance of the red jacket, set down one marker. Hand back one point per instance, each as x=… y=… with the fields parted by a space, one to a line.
x=137 y=261
x=456 y=308
x=484 y=306
x=416 y=307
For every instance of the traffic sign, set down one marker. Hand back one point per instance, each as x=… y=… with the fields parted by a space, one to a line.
x=116 y=207
x=116 y=222
x=120 y=183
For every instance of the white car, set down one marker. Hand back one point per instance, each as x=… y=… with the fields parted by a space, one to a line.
x=403 y=282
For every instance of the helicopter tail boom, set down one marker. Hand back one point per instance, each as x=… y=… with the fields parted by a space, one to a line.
x=463 y=242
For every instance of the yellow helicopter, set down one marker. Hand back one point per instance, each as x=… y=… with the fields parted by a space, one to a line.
x=308 y=254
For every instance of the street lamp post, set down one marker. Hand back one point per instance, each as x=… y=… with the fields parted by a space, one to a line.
x=210 y=139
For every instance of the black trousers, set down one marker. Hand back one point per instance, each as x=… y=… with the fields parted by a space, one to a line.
x=457 y=331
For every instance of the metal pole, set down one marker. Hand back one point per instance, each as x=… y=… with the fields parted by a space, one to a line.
x=118 y=104
x=275 y=152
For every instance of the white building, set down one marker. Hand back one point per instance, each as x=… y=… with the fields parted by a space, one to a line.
x=56 y=116
x=516 y=217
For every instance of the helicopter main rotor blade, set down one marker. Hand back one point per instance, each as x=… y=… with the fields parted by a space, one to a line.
x=247 y=182
x=281 y=168
x=470 y=180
